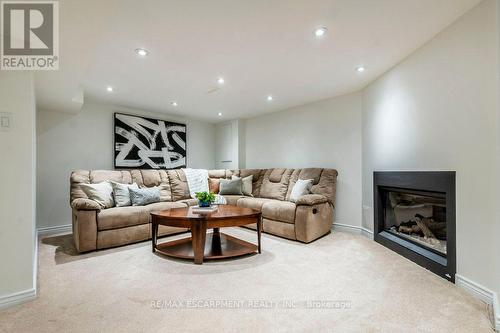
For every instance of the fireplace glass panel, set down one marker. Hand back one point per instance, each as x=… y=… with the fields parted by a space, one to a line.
x=418 y=218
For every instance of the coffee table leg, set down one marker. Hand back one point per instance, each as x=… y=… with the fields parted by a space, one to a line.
x=154 y=234
x=259 y=231
x=199 y=234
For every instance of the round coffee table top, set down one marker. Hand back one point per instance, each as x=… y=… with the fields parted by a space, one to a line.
x=222 y=212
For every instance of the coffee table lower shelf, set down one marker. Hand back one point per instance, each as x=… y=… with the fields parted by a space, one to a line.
x=217 y=246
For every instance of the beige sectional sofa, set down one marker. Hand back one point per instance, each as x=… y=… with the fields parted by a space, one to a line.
x=305 y=220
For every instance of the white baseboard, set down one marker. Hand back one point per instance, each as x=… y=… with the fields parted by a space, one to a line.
x=482 y=294
x=58 y=229
x=17 y=298
x=496 y=312
x=475 y=289
x=352 y=228
x=26 y=295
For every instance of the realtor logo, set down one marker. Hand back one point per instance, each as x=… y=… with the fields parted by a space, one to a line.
x=30 y=35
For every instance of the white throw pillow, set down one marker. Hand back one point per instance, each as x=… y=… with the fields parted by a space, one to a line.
x=102 y=193
x=301 y=187
x=121 y=193
x=246 y=187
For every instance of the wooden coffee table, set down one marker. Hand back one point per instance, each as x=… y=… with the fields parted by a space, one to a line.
x=200 y=245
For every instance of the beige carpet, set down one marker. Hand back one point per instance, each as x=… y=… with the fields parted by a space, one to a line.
x=342 y=282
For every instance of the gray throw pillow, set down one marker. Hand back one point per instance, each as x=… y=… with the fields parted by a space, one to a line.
x=230 y=187
x=122 y=194
x=246 y=186
x=144 y=196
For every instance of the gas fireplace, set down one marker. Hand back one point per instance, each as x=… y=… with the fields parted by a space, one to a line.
x=415 y=216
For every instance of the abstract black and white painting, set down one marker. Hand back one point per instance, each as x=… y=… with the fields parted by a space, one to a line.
x=145 y=143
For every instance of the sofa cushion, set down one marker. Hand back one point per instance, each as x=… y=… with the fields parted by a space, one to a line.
x=233 y=199
x=275 y=184
x=219 y=173
x=326 y=184
x=77 y=178
x=257 y=176
x=324 y=181
x=159 y=206
x=119 y=217
x=254 y=203
x=152 y=178
x=178 y=185
x=98 y=176
x=283 y=211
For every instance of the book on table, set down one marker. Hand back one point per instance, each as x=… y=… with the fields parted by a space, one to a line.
x=198 y=209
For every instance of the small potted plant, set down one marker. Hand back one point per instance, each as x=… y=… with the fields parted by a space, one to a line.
x=205 y=199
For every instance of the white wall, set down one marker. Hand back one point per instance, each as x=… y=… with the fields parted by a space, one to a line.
x=324 y=134
x=437 y=110
x=67 y=142
x=17 y=189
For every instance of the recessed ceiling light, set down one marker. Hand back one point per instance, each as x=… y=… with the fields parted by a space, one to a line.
x=142 y=52
x=360 y=69
x=109 y=89
x=174 y=103
x=320 y=32
x=220 y=114
x=220 y=80
x=270 y=98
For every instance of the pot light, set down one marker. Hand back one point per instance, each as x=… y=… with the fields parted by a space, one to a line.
x=109 y=89
x=320 y=32
x=141 y=52
x=360 y=69
x=174 y=103
x=270 y=98
x=220 y=80
x=220 y=114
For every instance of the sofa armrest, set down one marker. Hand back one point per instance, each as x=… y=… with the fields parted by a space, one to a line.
x=85 y=204
x=311 y=199
x=312 y=222
x=85 y=229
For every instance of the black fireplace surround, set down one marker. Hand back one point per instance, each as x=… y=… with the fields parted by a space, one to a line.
x=433 y=194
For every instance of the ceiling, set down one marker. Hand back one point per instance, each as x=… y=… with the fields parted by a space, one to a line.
x=260 y=47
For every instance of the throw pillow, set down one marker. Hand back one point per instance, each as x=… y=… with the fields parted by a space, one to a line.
x=144 y=196
x=213 y=185
x=122 y=194
x=246 y=187
x=230 y=187
x=102 y=193
x=301 y=187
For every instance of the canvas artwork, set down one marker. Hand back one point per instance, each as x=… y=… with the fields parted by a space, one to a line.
x=145 y=143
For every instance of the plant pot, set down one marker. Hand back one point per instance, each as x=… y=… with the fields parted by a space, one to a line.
x=204 y=203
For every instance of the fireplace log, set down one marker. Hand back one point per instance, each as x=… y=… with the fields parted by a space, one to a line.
x=424 y=228
x=405 y=229
x=434 y=225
